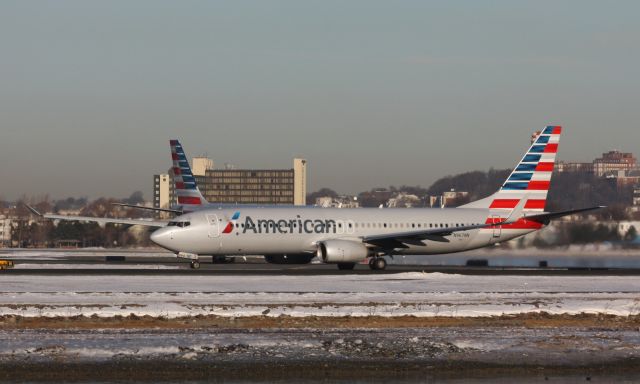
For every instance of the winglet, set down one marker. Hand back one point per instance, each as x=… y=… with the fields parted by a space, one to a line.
x=33 y=210
x=516 y=213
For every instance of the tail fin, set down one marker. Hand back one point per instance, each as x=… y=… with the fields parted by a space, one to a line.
x=187 y=191
x=530 y=179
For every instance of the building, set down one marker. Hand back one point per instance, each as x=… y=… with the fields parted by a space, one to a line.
x=636 y=196
x=448 y=199
x=162 y=191
x=5 y=231
x=338 y=202
x=256 y=186
x=238 y=186
x=200 y=166
x=404 y=200
x=612 y=162
x=561 y=166
x=299 y=181
x=624 y=179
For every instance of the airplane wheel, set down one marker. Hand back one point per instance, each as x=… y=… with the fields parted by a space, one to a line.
x=346 y=266
x=195 y=265
x=378 y=264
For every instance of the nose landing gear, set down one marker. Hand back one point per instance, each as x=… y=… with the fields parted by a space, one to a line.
x=195 y=264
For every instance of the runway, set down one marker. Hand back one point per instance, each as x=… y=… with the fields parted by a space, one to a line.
x=182 y=269
x=572 y=261
x=69 y=315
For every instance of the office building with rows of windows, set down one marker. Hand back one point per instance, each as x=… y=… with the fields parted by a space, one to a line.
x=244 y=186
x=255 y=186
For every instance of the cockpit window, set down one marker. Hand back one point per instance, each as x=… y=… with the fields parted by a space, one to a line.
x=180 y=224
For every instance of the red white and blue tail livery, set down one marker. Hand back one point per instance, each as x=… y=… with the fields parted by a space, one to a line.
x=187 y=191
x=529 y=180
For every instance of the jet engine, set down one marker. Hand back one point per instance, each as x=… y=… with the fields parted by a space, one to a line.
x=342 y=251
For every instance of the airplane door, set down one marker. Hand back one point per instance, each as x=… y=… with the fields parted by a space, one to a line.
x=497 y=230
x=214 y=225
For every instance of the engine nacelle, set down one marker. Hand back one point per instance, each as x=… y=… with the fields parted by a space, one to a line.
x=342 y=251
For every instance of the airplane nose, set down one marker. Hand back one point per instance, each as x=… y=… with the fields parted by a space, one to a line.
x=160 y=237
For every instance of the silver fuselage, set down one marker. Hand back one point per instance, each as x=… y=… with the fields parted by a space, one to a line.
x=294 y=230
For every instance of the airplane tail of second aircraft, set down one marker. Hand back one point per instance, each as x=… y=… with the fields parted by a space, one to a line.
x=186 y=188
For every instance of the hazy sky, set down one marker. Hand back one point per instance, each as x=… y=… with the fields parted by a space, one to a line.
x=372 y=93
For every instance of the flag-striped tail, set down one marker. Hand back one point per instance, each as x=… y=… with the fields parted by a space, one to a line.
x=186 y=188
x=529 y=180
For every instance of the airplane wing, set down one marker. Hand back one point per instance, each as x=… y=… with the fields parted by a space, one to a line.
x=149 y=208
x=100 y=220
x=400 y=239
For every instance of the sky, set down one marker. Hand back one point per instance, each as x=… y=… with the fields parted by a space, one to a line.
x=372 y=93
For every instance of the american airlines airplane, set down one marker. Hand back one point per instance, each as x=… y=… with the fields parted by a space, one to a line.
x=346 y=236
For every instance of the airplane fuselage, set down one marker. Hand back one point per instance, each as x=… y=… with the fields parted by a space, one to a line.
x=246 y=231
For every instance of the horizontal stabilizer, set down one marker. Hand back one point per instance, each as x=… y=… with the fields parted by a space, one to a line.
x=545 y=218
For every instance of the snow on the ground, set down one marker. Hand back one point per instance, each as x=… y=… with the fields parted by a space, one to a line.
x=414 y=293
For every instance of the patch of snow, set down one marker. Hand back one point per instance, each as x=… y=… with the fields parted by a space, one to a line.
x=403 y=294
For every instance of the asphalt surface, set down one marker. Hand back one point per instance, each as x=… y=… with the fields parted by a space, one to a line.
x=158 y=262
x=244 y=269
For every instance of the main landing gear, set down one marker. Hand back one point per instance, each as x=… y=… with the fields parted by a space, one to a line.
x=377 y=263
x=195 y=264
